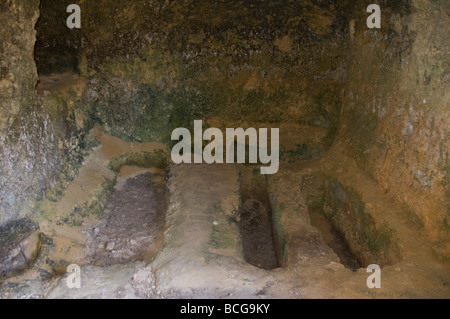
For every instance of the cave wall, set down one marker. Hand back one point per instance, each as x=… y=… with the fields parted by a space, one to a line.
x=37 y=136
x=152 y=66
x=18 y=71
x=395 y=107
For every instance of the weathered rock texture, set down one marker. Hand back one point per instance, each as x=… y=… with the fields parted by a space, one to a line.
x=19 y=246
x=154 y=66
x=37 y=136
x=396 y=115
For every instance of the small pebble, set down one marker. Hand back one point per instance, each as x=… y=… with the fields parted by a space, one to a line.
x=110 y=246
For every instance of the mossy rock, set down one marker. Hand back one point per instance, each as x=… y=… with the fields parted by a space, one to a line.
x=157 y=158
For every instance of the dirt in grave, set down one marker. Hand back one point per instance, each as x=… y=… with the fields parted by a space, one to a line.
x=134 y=223
x=256 y=227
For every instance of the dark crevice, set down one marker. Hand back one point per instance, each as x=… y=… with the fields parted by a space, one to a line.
x=256 y=227
x=57 y=47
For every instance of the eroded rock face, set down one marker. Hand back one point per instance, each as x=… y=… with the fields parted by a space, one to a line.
x=396 y=108
x=18 y=75
x=20 y=119
x=37 y=136
x=19 y=246
x=155 y=66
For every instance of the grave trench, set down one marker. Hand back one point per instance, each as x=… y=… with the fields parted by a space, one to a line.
x=263 y=245
x=260 y=245
x=135 y=218
x=133 y=225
